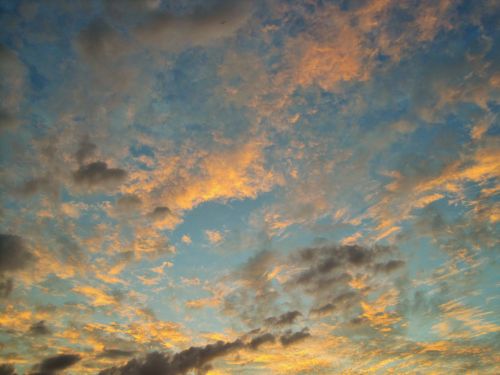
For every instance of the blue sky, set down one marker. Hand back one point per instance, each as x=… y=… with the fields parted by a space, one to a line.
x=249 y=187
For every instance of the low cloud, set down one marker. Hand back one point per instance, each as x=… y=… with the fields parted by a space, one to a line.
x=57 y=363
x=194 y=358
x=98 y=174
x=14 y=255
x=284 y=319
x=290 y=337
x=39 y=329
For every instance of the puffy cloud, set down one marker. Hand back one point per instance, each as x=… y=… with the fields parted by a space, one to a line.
x=14 y=254
x=97 y=174
x=56 y=363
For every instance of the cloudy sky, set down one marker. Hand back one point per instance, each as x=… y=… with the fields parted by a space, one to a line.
x=249 y=187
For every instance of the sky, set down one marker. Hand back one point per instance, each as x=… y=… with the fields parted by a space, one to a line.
x=249 y=187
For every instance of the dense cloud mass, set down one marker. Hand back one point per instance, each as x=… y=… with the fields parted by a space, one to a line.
x=56 y=363
x=14 y=255
x=180 y=363
x=254 y=187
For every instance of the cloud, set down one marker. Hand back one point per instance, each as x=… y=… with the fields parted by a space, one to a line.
x=214 y=236
x=14 y=255
x=179 y=363
x=284 y=319
x=290 y=337
x=85 y=150
x=257 y=341
x=56 y=363
x=6 y=369
x=203 y=26
x=97 y=174
x=99 y=42
x=6 y=286
x=116 y=353
x=12 y=73
x=39 y=329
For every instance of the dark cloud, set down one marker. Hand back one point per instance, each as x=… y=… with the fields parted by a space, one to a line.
x=284 y=319
x=116 y=353
x=6 y=286
x=160 y=213
x=56 y=363
x=257 y=341
x=194 y=358
x=85 y=150
x=98 y=174
x=7 y=369
x=290 y=337
x=35 y=185
x=39 y=329
x=99 y=42
x=389 y=266
x=14 y=255
x=341 y=302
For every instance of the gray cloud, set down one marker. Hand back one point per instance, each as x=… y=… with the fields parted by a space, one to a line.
x=39 y=329
x=180 y=363
x=36 y=185
x=14 y=255
x=257 y=341
x=6 y=286
x=160 y=213
x=204 y=25
x=128 y=202
x=290 y=337
x=116 y=353
x=99 y=42
x=56 y=363
x=97 y=174
x=85 y=150
x=284 y=319
x=7 y=369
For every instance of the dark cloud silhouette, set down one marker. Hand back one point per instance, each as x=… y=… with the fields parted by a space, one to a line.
x=97 y=174
x=14 y=255
x=6 y=369
x=257 y=341
x=85 y=150
x=290 y=337
x=39 y=329
x=284 y=319
x=116 y=353
x=56 y=363
x=194 y=358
